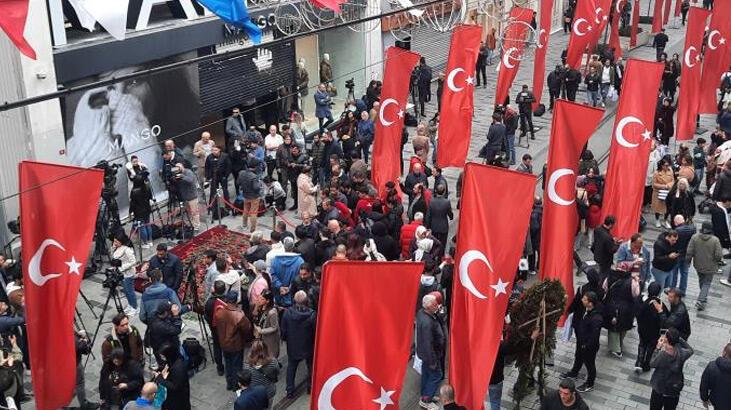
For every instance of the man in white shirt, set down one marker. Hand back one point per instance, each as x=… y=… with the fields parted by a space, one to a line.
x=271 y=143
x=201 y=150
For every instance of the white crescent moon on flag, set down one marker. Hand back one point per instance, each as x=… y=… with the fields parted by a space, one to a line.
x=551 y=187
x=711 y=35
x=34 y=266
x=541 y=41
x=619 y=131
x=576 y=27
x=464 y=274
x=324 y=400
x=385 y=104
x=686 y=57
x=597 y=12
x=450 y=79
x=507 y=56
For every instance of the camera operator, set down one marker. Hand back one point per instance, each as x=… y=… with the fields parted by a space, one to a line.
x=136 y=169
x=218 y=167
x=124 y=261
x=186 y=186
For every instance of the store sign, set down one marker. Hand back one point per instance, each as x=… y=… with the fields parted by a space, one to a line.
x=237 y=39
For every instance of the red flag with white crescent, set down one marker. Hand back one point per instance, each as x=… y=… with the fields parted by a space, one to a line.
x=657 y=16
x=513 y=47
x=58 y=209
x=386 y=164
x=364 y=334
x=630 y=148
x=455 y=116
x=678 y=4
x=13 y=15
x=635 y=24
x=717 y=56
x=690 y=82
x=333 y=5
x=601 y=20
x=496 y=204
x=560 y=219
x=539 y=67
x=582 y=31
x=614 y=33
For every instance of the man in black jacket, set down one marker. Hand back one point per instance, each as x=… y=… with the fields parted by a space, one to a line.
x=525 y=100
x=605 y=246
x=554 y=80
x=218 y=166
x=169 y=264
x=438 y=215
x=495 y=138
x=587 y=342
x=716 y=380
x=664 y=258
x=571 y=80
x=430 y=347
x=298 y=331
x=165 y=328
x=677 y=315
x=565 y=398
x=659 y=42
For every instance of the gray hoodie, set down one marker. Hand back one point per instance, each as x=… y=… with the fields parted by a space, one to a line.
x=705 y=251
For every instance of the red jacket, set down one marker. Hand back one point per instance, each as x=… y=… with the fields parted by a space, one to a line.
x=408 y=232
x=364 y=204
x=345 y=212
x=594 y=216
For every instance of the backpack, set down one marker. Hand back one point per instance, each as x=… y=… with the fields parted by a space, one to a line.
x=194 y=355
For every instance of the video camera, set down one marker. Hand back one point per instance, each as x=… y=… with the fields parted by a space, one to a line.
x=110 y=178
x=113 y=277
x=350 y=84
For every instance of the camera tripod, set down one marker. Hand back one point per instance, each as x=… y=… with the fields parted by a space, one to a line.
x=113 y=295
x=191 y=293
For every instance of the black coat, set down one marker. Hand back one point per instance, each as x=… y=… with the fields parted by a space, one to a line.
x=178 y=387
x=386 y=245
x=684 y=204
x=306 y=248
x=139 y=203
x=496 y=136
x=130 y=373
x=589 y=330
x=439 y=214
x=649 y=321
x=618 y=302
x=431 y=341
x=164 y=330
x=677 y=317
x=552 y=401
x=572 y=79
x=298 y=330
x=604 y=246
x=720 y=227
x=661 y=250
x=723 y=186
x=554 y=80
x=715 y=383
x=218 y=168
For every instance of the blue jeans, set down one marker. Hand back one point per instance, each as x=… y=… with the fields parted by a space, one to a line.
x=494 y=396
x=605 y=90
x=128 y=285
x=145 y=229
x=662 y=278
x=698 y=178
x=430 y=380
x=233 y=362
x=592 y=97
x=682 y=267
x=510 y=139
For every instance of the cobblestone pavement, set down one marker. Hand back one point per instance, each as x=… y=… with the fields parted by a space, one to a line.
x=617 y=387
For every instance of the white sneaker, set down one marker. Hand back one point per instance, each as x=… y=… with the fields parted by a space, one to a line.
x=725 y=282
x=667 y=225
x=134 y=312
x=129 y=310
x=146 y=245
x=657 y=223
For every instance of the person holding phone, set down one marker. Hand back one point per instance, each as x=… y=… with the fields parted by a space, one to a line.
x=668 y=360
x=665 y=258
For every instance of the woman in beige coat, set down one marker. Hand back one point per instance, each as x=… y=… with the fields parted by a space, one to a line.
x=306 y=191
x=662 y=181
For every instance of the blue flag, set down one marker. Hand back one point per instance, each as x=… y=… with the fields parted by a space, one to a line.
x=234 y=12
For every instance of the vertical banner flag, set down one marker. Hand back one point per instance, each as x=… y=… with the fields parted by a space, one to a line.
x=234 y=12
x=601 y=19
x=635 y=24
x=657 y=16
x=717 y=56
x=495 y=202
x=666 y=12
x=630 y=148
x=678 y=4
x=356 y=367
x=690 y=81
x=455 y=116
x=581 y=32
x=13 y=14
x=560 y=220
x=614 y=33
x=394 y=94
x=539 y=67
x=58 y=207
x=513 y=47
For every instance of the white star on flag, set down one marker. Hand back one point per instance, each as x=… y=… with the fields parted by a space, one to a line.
x=385 y=398
x=646 y=135
x=73 y=266
x=470 y=80
x=400 y=113
x=500 y=287
x=722 y=41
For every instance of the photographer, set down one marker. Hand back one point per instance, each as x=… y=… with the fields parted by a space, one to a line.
x=218 y=166
x=140 y=209
x=135 y=169
x=120 y=381
x=124 y=261
x=186 y=185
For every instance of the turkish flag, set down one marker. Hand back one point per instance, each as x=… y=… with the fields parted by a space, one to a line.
x=614 y=33
x=333 y=5
x=678 y=3
x=58 y=208
x=690 y=82
x=364 y=334
x=455 y=116
x=657 y=16
x=539 y=67
x=560 y=219
x=513 y=47
x=582 y=30
x=666 y=12
x=13 y=14
x=601 y=19
x=717 y=56
x=635 y=24
x=630 y=149
x=386 y=164
x=496 y=207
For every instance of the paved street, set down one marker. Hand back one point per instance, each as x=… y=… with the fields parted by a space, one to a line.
x=617 y=387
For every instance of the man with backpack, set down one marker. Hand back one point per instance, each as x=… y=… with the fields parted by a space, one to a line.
x=234 y=333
